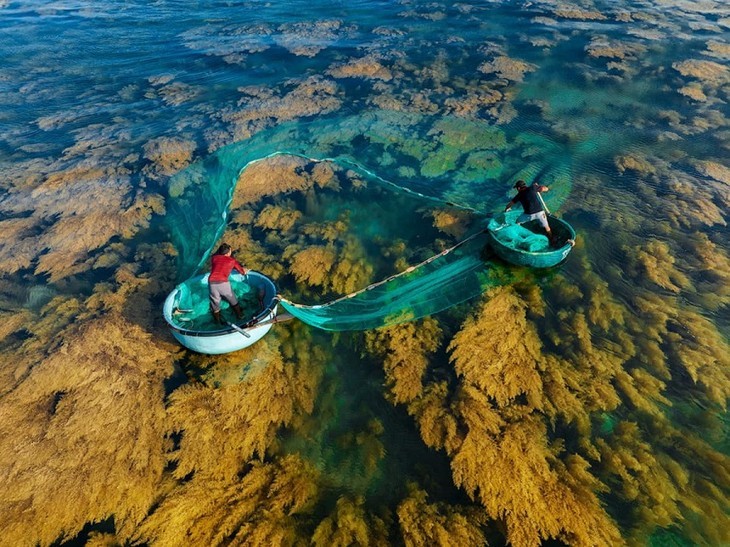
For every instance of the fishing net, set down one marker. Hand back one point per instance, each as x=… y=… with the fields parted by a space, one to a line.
x=406 y=168
x=446 y=280
x=517 y=236
x=192 y=306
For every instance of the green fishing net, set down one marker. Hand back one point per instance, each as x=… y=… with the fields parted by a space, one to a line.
x=438 y=285
x=516 y=236
x=192 y=307
x=410 y=164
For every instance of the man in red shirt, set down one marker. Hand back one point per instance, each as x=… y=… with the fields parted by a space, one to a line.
x=222 y=264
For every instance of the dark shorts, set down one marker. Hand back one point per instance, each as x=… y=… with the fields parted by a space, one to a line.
x=218 y=291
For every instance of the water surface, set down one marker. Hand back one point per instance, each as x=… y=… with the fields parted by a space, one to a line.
x=585 y=405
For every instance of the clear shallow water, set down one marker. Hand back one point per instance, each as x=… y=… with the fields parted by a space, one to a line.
x=101 y=105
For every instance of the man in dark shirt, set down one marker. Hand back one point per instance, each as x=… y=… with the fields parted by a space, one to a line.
x=528 y=197
x=219 y=287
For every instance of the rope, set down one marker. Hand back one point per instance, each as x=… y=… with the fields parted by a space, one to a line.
x=364 y=169
x=543 y=203
x=408 y=270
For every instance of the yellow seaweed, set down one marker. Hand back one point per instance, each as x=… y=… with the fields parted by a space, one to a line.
x=67 y=432
x=404 y=349
x=256 y=509
x=657 y=262
x=350 y=524
x=224 y=427
x=424 y=524
x=497 y=351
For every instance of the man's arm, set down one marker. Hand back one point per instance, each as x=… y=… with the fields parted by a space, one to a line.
x=509 y=205
x=541 y=188
x=238 y=267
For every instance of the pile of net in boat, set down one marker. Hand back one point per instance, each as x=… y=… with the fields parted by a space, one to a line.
x=193 y=304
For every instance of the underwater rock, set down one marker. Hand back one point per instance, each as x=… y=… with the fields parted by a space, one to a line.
x=706 y=71
x=369 y=68
x=505 y=67
x=168 y=155
x=693 y=92
x=279 y=175
x=309 y=38
x=313 y=96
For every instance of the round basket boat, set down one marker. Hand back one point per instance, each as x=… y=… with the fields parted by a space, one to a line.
x=526 y=244
x=187 y=312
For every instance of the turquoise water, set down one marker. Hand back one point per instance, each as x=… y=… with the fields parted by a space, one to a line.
x=128 y=132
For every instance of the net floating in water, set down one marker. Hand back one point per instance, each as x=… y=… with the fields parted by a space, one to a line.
x=201 y=195
x=444 y=280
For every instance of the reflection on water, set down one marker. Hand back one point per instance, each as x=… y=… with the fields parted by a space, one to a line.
x=585 y=404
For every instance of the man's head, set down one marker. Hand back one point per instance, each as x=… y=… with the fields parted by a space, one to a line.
x=520 y=185
x=224 y=249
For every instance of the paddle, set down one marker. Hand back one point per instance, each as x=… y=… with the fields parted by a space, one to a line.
x=570 y=242
x=239 y=329
x=542 y=201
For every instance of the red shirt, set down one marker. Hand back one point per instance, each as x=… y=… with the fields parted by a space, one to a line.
x=221 y=267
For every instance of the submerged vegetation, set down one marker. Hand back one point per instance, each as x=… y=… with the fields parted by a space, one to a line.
x=585 y=405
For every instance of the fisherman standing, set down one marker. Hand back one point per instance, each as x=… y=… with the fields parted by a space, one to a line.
x=219 y=287
x=529 y=198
